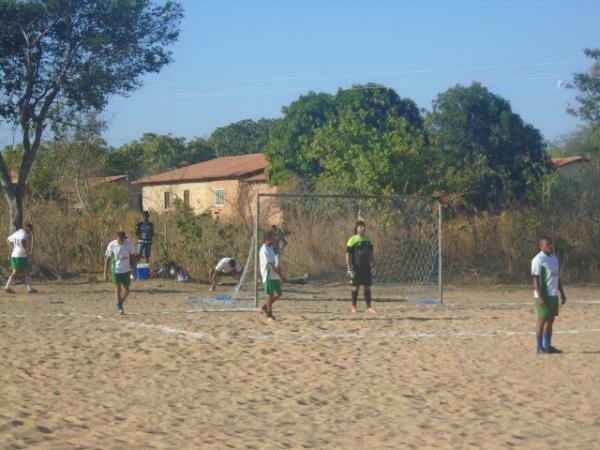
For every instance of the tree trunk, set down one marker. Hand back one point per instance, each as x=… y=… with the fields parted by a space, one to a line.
x=15 y=210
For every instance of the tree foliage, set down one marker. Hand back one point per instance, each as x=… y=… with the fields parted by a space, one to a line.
x=293 y=148
x=155 y=153
x=370 y=157
x=76 y=53
x=241 y=138
x=484 y=151
x=588 y=87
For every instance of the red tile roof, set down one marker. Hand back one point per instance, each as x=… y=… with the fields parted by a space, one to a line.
x=260 y=178
x=97 y=181
x=562 y=162
x=229 y=167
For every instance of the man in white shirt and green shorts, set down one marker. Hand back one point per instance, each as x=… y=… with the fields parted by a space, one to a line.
x=271 y=274
x=121 y=256
x=547 y=286
x=19 y=258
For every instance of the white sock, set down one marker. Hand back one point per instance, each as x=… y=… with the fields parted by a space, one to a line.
x=8 y=282
x=28 y=283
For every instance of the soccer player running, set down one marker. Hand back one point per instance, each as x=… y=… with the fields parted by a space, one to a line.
x=271 y=274
x=359 y=261
x=546 y=282
x=19 y=258
x=225 y=266
x=121 y=255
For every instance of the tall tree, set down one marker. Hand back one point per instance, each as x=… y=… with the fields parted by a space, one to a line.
x=77 y=53
x=363 y=157
x=484 y=151
x=588 y=85
x=291 y=145
x=241 y=138
x=291 y=138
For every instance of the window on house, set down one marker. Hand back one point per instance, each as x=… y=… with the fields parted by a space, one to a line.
x=219 y=197
x=167 y=200
x=186 y=197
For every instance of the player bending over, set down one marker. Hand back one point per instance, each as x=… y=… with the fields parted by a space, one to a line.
x=121 y=255
x=19 y=258
x=225 y=266
x=546 y=283
x=271 y=274
x=359 y=262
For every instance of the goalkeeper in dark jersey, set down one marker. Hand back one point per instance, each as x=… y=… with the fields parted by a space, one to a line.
x=359 y=261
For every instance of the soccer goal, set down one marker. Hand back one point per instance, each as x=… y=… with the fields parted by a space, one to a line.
x=406 y=234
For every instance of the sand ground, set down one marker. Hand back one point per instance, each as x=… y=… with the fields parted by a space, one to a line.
x=462 y=375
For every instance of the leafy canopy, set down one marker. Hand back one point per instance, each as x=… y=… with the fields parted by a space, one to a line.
x=484 y=151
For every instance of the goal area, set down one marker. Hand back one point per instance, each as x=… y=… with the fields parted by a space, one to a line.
x=406 y=235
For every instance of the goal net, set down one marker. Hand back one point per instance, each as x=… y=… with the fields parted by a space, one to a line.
x=406 y=236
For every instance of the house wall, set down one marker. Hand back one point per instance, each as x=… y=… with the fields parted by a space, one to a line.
x=239 y=197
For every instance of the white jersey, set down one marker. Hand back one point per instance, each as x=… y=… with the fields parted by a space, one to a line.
x=268 y=256
x=224 y=267
x=120 y=254
x=546 y=267
x=16 y=241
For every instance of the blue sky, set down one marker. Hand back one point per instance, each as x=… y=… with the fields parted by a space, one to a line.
x=246 y=59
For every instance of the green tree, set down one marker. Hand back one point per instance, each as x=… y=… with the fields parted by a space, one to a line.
x=588 y=87
x=240 y=138
x=78 y=52
x=155 y=153
x=485 y=152
x=291 y=137
x=364 y=157
x=291 y=145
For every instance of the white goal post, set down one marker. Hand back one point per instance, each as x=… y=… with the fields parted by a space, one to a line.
x=407 y=238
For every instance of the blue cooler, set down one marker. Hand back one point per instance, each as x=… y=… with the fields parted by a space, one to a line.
x=143 y=271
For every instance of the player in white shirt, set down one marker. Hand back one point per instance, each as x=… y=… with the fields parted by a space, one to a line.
x=547 y=286
x=270 y=273
x=225 y=266
x=121 y=256
x=19 y=258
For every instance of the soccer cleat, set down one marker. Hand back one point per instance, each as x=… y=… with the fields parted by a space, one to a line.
x=211 y=289
x=541 y=351
x=121 y=312
x=354 y=309
x=32 y=291
x=553 y=350
x=9 y=291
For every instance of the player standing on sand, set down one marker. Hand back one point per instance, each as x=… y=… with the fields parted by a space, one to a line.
x=359 y=262
x=19 y=258
x=546 y=282
x=121 y=255
x=271 y=274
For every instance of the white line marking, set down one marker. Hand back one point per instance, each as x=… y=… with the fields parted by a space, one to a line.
x=400 y=335
x=163 y=329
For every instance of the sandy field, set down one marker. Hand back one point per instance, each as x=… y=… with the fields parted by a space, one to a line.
x=463 y=375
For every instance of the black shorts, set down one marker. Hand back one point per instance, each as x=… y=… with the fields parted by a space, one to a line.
x=362 y=278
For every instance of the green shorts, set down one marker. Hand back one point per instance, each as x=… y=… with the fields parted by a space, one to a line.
x=273 y=286
x=122 y=278
x=550 y=308
x=19 y=263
